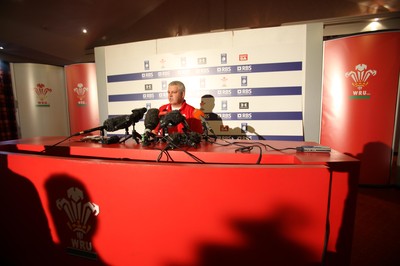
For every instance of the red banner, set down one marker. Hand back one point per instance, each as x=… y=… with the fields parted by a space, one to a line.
x=82 y=97
x=360 y=87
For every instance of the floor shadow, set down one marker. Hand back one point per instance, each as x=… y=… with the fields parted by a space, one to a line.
x=25 y=234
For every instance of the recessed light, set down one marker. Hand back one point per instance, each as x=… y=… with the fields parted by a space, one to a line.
x=1 y=47
x=84 y=30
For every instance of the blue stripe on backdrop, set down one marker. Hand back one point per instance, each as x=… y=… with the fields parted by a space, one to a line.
x=242 y=92
x=267 y=91
x=261 y=116
x=235 y=69
x=245 y=116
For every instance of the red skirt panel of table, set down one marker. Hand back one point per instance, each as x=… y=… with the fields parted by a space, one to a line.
x=124 y=212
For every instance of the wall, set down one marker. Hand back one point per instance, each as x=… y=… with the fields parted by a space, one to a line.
x=266 y=82
x=41 y=100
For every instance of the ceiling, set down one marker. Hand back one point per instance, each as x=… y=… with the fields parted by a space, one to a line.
x=50 y=31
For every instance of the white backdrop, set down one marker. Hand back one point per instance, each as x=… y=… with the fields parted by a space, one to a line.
x=257 y=78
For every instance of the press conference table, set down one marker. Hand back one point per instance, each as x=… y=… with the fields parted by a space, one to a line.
x=89 y=203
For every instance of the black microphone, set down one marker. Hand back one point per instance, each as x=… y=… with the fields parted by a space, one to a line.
x=151 y=121
x=124 y=121
x=117 y=122
x=191 y=139
x=111 y=140
x=138 y=114
x=173 y=118
x=88 y=131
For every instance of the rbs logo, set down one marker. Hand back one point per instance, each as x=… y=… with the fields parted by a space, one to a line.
x=246 y=68
x=244 y=92
x=244 y=116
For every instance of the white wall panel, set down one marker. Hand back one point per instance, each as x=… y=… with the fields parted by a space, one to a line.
x=256 y=76
x=41 y=96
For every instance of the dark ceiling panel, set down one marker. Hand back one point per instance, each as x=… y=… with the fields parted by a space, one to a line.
x=50 y=31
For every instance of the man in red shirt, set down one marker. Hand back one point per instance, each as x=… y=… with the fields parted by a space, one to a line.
x=176 y=98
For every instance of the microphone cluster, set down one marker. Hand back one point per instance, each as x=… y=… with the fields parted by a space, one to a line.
x=152 y=120
x=170 y=119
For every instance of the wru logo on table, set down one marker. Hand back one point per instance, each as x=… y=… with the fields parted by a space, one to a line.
x=79 y=214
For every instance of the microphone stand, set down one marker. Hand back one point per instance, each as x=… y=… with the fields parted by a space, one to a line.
x=135 y=135
x=102 y=138
x=207 y=128
x=148 y=138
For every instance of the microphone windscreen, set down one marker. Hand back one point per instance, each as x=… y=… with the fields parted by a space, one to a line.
x=198 y=114
x=151 y=119
x=172 y=118
x=194 y=138
x=138 y=114
x=116 y=123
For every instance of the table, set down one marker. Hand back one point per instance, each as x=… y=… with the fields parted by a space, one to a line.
x=86 y=203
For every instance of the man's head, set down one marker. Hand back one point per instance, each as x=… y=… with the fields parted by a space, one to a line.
x=207 y=103
x=176 y=93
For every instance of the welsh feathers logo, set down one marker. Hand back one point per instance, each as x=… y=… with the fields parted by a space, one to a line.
x=359 y=79
x=79 y=216
x=42 y=92
x=80 y=92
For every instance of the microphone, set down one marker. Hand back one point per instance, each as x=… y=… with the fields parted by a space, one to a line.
x=88 y=131
x=124 y=121
x=110 y=124
x=117 y=122
x=199 y=115
x=191 y=139
x=151 y=121
x=111 y=140
x=138 y=114
x=173 y=118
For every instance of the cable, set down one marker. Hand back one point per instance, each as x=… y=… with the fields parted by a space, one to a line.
x=164 y=151
x=249 y=148
x=283 y=149
x=172 y=145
